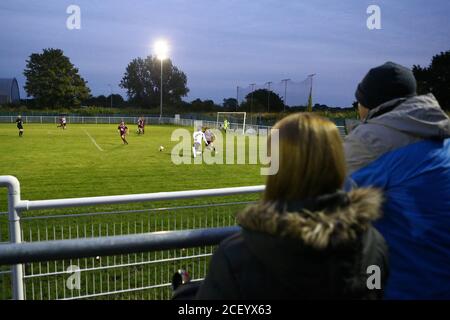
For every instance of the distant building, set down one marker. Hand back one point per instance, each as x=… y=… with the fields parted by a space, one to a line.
x=9 y=90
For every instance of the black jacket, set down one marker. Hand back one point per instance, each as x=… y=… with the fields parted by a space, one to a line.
x=314 y=251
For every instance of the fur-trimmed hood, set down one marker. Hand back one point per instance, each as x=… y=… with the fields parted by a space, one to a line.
x=284 y=253
x=315 y=226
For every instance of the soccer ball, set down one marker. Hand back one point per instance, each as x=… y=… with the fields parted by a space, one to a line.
x=161 y=148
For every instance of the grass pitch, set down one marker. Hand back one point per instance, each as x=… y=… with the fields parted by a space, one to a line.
x=90 y=160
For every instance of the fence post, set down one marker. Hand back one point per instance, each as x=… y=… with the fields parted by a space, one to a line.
x=14 y=231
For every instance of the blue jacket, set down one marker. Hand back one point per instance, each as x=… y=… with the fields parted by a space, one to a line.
x=416 y=225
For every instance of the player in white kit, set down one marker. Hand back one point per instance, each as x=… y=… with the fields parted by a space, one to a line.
x=198 y=136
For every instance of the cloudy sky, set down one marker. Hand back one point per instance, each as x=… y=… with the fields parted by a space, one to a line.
x=221 y=44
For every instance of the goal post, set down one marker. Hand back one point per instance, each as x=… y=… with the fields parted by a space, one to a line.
x=235 y=119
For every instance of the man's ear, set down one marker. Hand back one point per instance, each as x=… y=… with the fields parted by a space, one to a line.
x=363 y=112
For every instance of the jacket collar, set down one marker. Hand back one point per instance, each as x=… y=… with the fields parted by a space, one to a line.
x=418 y=116
x=329 y=221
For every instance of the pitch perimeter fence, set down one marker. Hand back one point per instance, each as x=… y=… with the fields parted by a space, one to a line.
x=233 y=127
x=112 y=254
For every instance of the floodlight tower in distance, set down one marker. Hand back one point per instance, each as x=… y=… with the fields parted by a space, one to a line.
x=310 y=93
x=252 y=85
x=110 y=87
x=162 y=53
x=285 y=93
x=268 y=95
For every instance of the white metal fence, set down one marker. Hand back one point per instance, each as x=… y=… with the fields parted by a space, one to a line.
x=143 y=275
x=234 y=127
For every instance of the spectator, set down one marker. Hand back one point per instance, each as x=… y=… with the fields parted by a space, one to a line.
x=402 y=147
x=306 y=239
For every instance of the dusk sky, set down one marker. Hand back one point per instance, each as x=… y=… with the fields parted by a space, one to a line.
x=221 y=44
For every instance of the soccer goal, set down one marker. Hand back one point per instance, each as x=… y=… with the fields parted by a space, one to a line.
x=235 y=120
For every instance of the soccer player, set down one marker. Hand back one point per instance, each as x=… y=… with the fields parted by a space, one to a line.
x=198 y=136
x=20 y=125
x=210 y=137
x=141 y=125
x=62 y=123
x=123 y=130
x=225 y=125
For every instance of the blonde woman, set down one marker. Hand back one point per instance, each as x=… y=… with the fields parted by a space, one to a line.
x=306 y=239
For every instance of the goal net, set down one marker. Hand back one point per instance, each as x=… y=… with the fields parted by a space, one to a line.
x=293 y=93
x=235 y=121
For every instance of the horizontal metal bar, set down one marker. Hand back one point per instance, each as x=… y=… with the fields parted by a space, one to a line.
x=126 y=290
x=116 y=266
x=145 y=197
x=149 y=210
x=113 y=245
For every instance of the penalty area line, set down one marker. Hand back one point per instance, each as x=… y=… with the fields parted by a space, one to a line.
x=93 y=141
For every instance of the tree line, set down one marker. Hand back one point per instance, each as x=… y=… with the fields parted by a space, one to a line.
x=54 y=82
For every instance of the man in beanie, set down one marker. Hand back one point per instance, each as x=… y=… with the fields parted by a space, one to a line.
x=402 y=146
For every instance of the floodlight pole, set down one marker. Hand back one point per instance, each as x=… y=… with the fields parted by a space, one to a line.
x=161 y=53
x=268 y=96
x=285 y=92
x=237 y=97
x=161 y=93
x=110 y=87
x=251 y=102
x=311 y=90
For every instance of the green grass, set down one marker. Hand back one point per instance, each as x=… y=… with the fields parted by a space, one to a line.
x=51 y=163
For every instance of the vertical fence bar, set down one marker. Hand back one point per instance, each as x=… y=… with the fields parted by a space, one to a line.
x=14 y=231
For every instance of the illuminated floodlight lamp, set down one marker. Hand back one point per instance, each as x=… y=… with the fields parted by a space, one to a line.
x=161 y=49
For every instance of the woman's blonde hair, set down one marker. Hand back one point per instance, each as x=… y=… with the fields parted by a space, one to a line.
x=311 y=159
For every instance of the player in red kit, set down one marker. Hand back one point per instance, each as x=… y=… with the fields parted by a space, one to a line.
x=141 y=125
x=123 y=130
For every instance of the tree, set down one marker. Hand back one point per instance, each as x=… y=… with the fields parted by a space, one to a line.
x=142 y=80
x=53 y=80
x=230 y=104
x=105 y=102
x=260 y=98
x=435 y=78
x=198 y=105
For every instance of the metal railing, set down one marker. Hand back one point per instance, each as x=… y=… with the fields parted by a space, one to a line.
x=234 y=127
x=136 y=270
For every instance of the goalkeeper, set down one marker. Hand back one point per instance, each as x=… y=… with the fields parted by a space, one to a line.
x=225 y=125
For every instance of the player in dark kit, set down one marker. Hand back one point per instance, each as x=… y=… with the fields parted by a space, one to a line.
x=20 y=125
x=141 y=125
x=123 y=129
x=62 y=123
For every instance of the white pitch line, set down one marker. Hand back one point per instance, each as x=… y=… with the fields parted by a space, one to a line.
x=93 y=141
